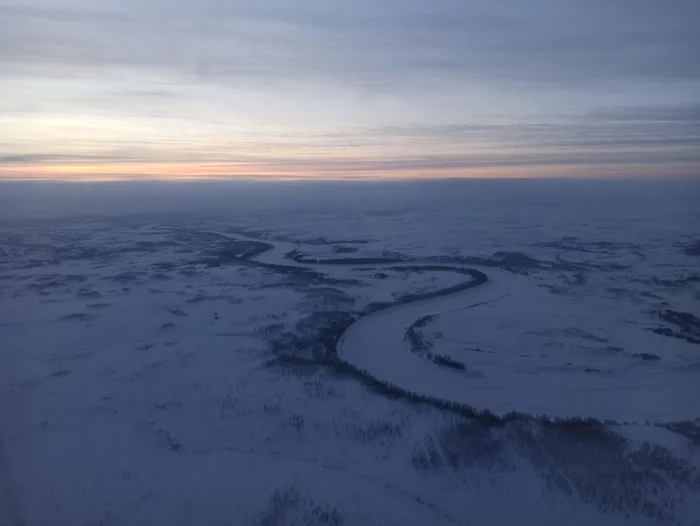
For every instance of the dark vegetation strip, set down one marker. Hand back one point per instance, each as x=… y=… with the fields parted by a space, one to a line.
x=326 y=241
x=414 y=336
x=511 y=261
x=687 y=323
x=691 y=430
x=384 y=388
x=506 y=260
x=421 y=346
x=242 y=253
x=478 y=278
x=484 y=417
x=304 y=259
x=693 y=249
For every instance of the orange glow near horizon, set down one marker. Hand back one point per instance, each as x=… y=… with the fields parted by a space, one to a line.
x=310 y=170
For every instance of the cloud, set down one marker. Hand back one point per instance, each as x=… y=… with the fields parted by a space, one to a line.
x=639 y=128
x=400 y=85
x=385 y=44
x=43 y=158
x=624 y=135
x=679 y=114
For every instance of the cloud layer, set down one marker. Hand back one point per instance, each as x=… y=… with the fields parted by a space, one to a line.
x=449 y=85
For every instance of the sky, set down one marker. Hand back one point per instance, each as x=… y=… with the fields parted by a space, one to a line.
x=363 y=89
